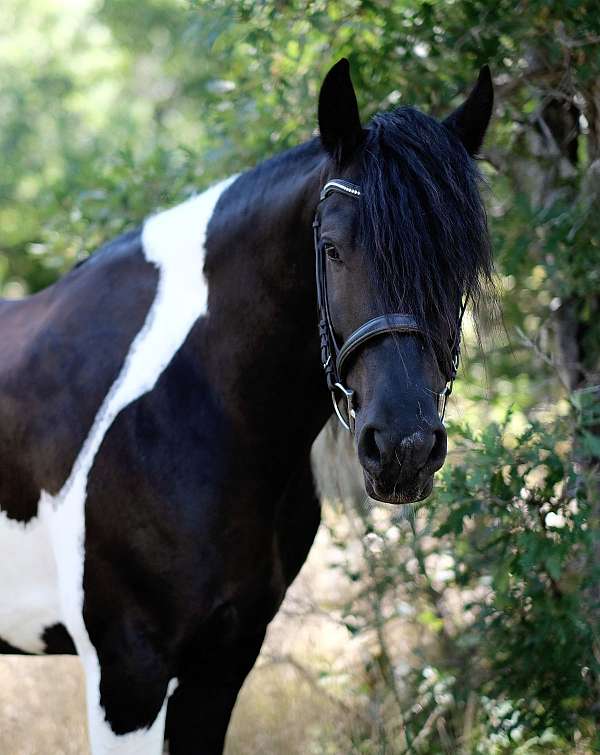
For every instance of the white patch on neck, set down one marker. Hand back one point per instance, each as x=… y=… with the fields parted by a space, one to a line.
x=52 y=545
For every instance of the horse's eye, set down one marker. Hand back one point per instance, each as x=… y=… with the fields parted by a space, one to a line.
x=332 y=252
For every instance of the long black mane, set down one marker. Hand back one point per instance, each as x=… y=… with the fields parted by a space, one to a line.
x=422 y=222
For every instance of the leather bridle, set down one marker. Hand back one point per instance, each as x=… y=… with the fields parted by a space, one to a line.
x=335 y=358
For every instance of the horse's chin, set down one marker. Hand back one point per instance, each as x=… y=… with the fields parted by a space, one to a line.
x=412 y=492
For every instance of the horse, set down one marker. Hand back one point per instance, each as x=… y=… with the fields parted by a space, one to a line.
x=159 y=402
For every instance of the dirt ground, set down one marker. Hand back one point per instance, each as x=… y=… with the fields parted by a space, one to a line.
x=42 y=709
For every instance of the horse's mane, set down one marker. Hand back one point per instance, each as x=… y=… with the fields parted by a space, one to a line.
x=422 y=222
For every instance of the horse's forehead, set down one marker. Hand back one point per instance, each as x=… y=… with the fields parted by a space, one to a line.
x=340 y=210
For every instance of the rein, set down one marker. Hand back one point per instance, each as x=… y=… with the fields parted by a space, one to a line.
x=334 y=358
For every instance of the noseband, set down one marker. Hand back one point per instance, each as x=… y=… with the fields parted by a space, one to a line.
x=334 y=358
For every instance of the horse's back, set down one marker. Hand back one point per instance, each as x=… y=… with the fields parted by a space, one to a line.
x=60 y=351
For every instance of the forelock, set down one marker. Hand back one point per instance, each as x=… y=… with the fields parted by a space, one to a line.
x=422 y=223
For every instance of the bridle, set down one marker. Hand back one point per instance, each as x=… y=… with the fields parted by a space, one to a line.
x=335 y=358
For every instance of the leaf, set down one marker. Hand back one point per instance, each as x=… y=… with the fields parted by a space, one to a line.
x=554 y=565
x=591 y=443
x=499 y=488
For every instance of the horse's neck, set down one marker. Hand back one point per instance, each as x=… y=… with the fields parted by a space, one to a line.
x=261 y=336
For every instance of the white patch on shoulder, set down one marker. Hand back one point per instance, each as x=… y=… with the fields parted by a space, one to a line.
x=174 y=241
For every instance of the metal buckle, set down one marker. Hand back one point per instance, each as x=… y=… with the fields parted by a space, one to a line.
x=443 y=399
x=349 y=420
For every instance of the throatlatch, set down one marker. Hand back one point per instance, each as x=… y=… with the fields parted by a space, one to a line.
x=334 y=358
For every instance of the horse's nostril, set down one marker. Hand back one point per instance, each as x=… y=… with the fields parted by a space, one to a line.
x=382 y=455
x=438 y=451
x=369 y=450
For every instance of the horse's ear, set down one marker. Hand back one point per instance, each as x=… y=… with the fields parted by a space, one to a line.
x=339 y=121
x=470 y=121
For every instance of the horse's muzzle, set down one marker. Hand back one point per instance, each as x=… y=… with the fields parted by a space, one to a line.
x=401 y=471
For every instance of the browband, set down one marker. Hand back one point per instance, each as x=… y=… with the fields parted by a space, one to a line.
x=341 y=185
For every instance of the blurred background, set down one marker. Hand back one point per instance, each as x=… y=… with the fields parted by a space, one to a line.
x=470 y=624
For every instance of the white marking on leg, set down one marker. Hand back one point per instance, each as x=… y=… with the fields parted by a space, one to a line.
x=174 y=241
x=148 y=741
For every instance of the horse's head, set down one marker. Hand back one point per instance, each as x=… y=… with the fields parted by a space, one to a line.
x=401 y=233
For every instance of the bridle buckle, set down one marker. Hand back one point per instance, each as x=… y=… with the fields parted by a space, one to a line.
x=348 y=393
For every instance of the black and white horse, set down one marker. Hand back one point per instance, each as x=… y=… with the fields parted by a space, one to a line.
x=158 y=406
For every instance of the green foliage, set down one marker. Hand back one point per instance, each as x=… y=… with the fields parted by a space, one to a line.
x=520 y=517
x=499 y=583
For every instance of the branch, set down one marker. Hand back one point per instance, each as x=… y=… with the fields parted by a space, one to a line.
x=385 y=665
x=546 y=358
x=271 y=659
x=535 y=73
